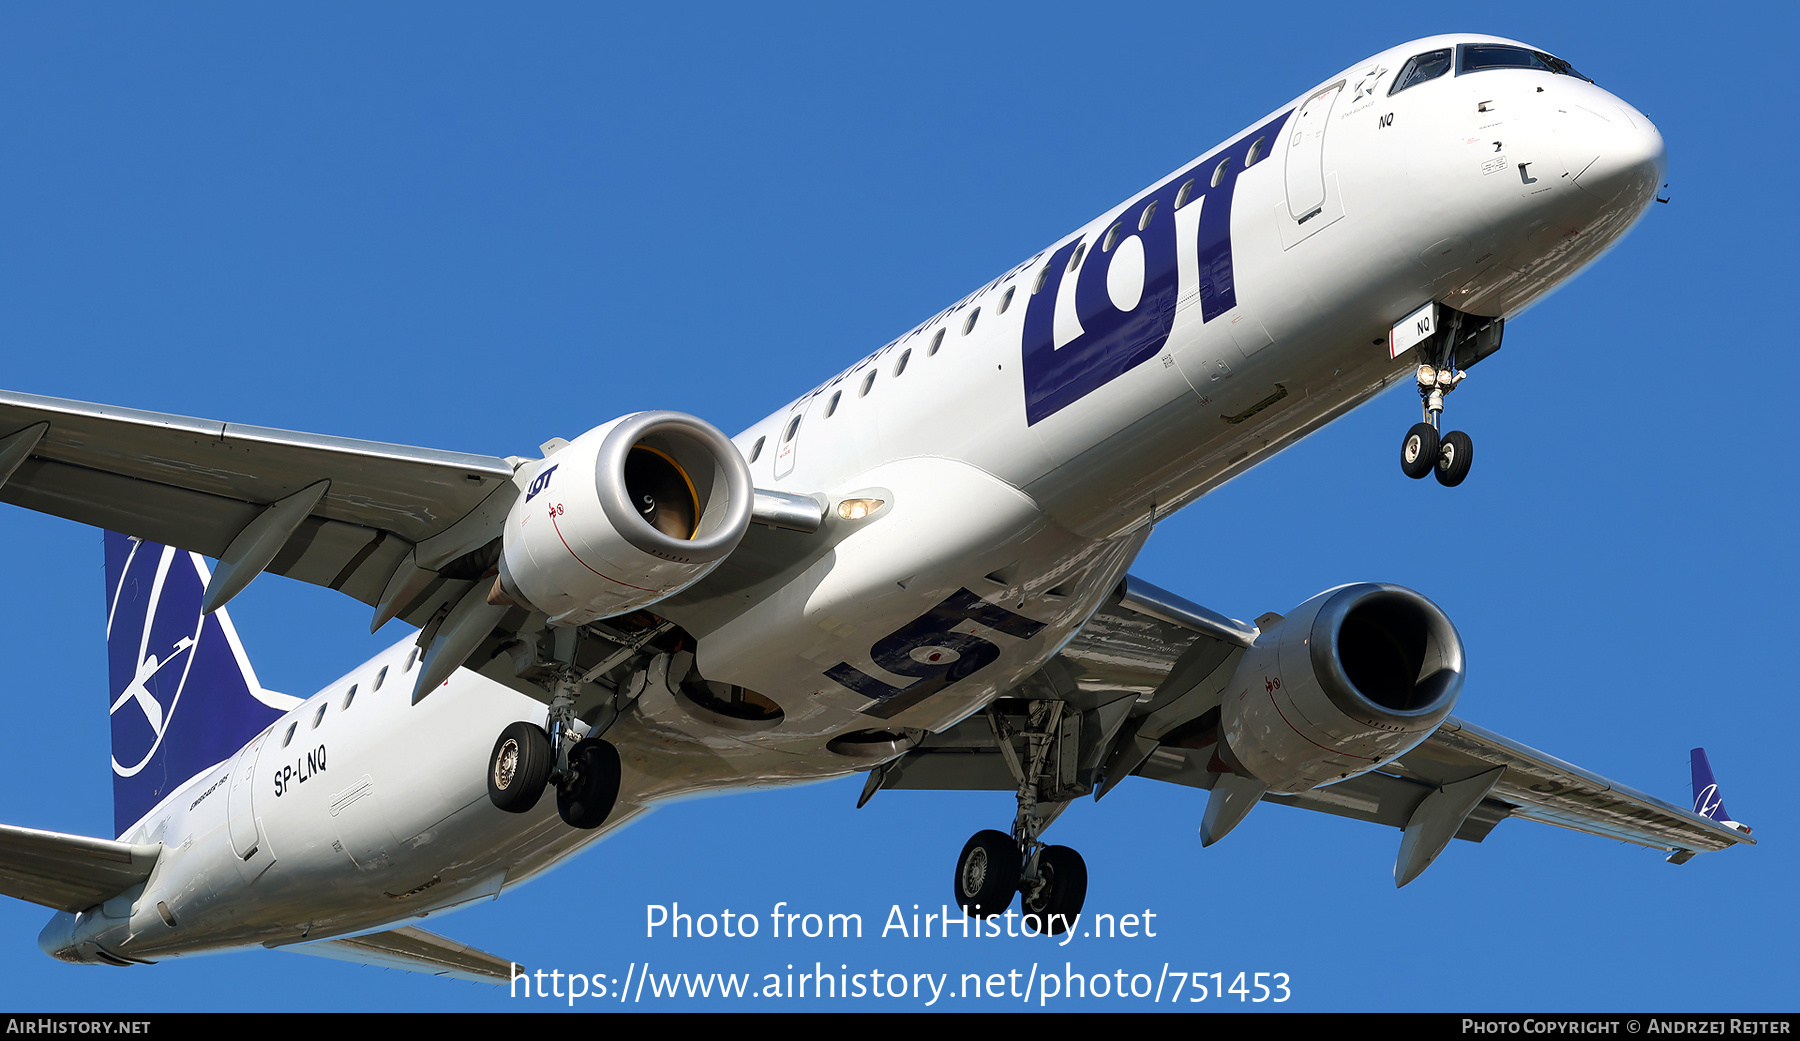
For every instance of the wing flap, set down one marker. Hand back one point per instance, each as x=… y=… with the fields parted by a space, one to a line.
x=412 y=492
x=1171 y=656
x=1543 y=788
x=69 y=872
x=1376 y=798
x=196 y=484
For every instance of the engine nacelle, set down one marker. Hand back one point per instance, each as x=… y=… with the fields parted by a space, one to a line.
x=1353 y=678
x=625 y=515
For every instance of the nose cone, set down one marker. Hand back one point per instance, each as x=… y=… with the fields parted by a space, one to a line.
x=1619 y=155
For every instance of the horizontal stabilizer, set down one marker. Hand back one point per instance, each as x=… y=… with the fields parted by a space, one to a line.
x=415 y=950
x=69 y=872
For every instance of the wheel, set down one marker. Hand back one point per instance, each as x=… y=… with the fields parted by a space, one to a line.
x=987 y=874
x=1419 y=451
x=1454 y=458
x=587 y=795
x=1059 y=899
x=519 y=767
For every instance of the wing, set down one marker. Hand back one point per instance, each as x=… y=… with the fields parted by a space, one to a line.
x=336 y=512
x=410 y=531
x=1138 y=692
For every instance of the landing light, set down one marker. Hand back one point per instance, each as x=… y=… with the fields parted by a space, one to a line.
x=857 y=509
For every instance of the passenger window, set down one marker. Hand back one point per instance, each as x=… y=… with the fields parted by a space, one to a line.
x=756 y=449
x=411 y=660
x=1186 y=192
x=382 y=675
x=936 y=342
x=1149 y=211
x=832 y=408
x=1218 y=177
x=868 y=381
x=350 y=695
x=792 y=429
x=1075 y=258
x=1043 y=276
x=1112 y=237
x=319 y=716
x=1419 y=68
x=1006 y=301
x=1256 y=153
x=295 y=725
x=970 y=324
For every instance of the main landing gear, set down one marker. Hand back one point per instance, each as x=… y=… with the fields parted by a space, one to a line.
x=526 y=759
x=1052 y=880
x=1424 y=451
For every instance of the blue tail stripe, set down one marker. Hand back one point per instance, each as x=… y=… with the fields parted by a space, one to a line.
x=181 y=696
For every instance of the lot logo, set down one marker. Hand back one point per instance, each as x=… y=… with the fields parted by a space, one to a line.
x=1107 y=305
x=932 y=652
x=539 y=483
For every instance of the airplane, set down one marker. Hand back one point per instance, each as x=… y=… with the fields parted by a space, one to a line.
x=917 y=570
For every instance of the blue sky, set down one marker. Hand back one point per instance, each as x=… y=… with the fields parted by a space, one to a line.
x=470 y=228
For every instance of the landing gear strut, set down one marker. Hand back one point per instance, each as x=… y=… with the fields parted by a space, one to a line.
x=1456 y=341
x=1426 y=452
x=994 y=865
x=526 y=759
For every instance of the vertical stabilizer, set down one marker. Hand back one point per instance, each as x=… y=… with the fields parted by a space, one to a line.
x=182 y=691
x=1707 y=801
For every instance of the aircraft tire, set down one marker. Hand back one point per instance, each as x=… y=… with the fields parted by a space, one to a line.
x=1419 y=451
x=588 y=798
x=519 y=767
x=1064 y=891
x=1455 y=455
x=987 y=874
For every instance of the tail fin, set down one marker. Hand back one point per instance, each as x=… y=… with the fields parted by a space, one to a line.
x=183 y=694
x=1707 y=802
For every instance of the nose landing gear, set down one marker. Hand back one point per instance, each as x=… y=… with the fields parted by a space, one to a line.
x=1418 y=453
x=1424 y=451
x=1455 y=455
x=1444 y=336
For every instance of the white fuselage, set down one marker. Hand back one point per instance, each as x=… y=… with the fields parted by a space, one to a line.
x=1483 y=191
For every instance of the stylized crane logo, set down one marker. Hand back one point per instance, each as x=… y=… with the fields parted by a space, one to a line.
x=138 y=690
x=149 y=665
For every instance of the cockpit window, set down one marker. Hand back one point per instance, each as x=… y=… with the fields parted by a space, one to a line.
x=1477 y=57
x=1419 y=68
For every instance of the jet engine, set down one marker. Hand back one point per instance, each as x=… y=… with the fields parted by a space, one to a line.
x=623 y=516
x=1353 y=678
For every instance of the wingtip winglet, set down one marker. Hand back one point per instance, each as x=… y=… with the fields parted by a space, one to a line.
x=1707 y=801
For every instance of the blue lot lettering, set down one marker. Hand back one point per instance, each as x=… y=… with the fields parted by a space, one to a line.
x=300 y=771
x=539 y=483
x=943 y=656
x=1112 y=341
